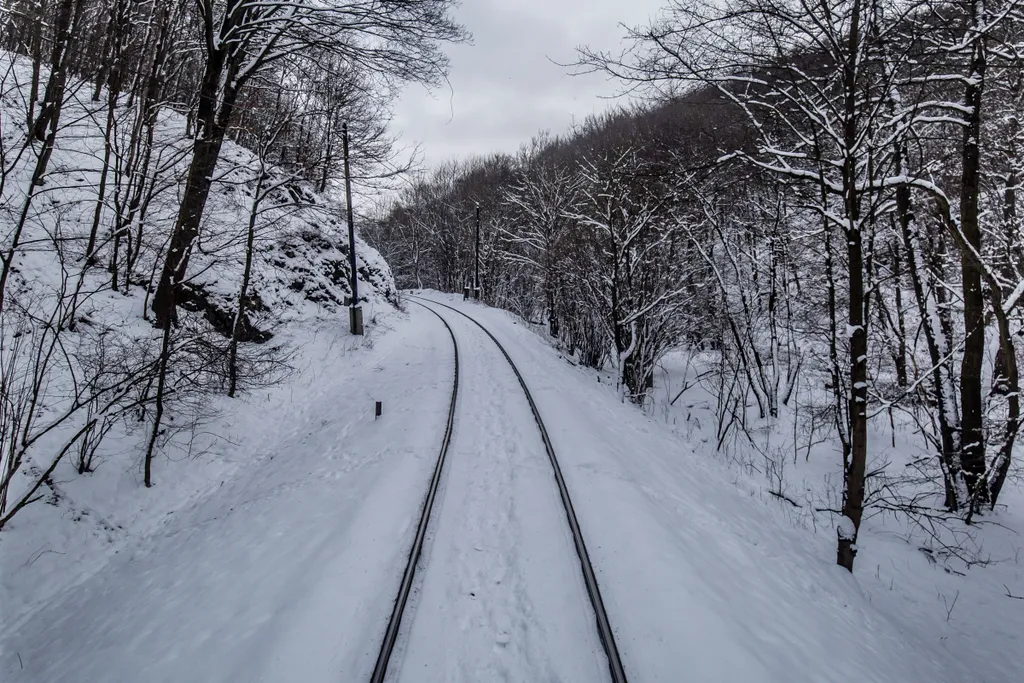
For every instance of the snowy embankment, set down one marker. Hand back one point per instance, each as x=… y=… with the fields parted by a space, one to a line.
x=952 y=586
x=85 y=521
x=283 y=567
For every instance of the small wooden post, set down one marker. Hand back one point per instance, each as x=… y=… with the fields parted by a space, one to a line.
x=355 y=320
x=377 y=409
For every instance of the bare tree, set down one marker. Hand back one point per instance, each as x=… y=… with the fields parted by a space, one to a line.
x=396 y=40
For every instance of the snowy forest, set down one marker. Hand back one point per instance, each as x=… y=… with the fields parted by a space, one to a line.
x=180 y=155
x=824 y=195
x=753 y=328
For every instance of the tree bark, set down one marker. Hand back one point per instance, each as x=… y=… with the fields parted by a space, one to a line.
x=855 y=467
x=243 y=291
x=49 y=111
x=971 y=402
x=948 y=456
x=213 y=116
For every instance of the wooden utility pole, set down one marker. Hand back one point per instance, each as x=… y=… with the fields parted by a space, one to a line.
x=355 y=313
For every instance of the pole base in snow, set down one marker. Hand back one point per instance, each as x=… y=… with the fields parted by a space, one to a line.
x=355 y=320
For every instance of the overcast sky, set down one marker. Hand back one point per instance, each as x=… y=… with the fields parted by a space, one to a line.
x=505 y=86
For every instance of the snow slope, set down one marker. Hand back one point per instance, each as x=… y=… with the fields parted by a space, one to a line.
x=955 y=596
x=300 y=269
x=300 y=285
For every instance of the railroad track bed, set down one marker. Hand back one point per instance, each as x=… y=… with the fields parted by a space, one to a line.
x=498 y=583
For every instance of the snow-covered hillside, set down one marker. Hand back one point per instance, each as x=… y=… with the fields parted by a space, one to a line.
x=956 y=586
x=301 y=268
x=298 y=294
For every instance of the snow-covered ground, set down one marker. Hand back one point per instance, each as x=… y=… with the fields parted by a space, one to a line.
x=284 y=565
x=949 y=584
x=501 y=596
x=704 y=580
x=86 y=524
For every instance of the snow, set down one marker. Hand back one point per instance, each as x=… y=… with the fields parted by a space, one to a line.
x=845 y=528
x=702 y=581
x=284 y=566
x=283 y=569
x=300 y=268
x=1014 y=297
x=501 y=595
x=122 y=579
x=275 y=555
x=913 y=574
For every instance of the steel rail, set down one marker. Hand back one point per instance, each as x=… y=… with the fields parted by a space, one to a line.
x=604 y=629
x=380 y=669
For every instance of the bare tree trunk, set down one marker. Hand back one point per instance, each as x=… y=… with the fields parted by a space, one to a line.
x=949 y=458
x=37 y=63
x=549 y=299
x=213 y=121
x=856 y=465
x=900 y=355
x=1001 y=465
x=49 y=112
x=148 y=110
x=971 y=403
x=328 y=153
x=243 y=292
x=108 y=144
x=163 y=363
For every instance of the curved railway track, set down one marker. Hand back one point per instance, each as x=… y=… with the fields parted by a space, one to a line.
x=380 y=669
x=604 y=629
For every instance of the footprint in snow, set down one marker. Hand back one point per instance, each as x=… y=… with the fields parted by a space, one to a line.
x=504 y=626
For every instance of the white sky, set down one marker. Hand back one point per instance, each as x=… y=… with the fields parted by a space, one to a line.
x=506 y=86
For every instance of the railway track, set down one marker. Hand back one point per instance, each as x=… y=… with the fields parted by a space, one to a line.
x=380 y=669
x=605 y=634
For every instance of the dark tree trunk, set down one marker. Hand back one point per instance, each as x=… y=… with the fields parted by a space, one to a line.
x=243 y=291
x=549 y=301
x=856 y=465
x=53 y=98
x=113 y=86
x=1011 y=258
x=328 y=154
x=37 y=64
x=1012 y=381
x=971 y=402
x=900 y=355
x=148 y=113
x=213 y=122
x=161 y=385
x=948 y=456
